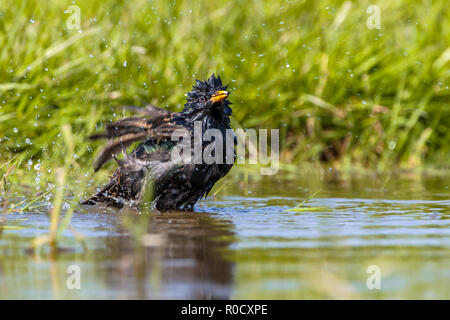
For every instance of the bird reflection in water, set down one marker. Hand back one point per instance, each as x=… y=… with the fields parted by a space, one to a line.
x=173 y=255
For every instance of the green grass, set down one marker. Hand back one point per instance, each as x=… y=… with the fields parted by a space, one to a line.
x=338 y=91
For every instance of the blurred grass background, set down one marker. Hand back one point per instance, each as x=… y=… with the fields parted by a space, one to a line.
x=340 y=93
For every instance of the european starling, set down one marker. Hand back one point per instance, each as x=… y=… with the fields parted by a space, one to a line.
x=177 y=185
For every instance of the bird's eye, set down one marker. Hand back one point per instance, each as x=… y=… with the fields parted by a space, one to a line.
x=227 y=110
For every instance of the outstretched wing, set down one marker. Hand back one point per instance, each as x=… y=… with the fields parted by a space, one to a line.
x=121 y=134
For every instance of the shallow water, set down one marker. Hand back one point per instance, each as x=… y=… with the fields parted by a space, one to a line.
x=242 y=244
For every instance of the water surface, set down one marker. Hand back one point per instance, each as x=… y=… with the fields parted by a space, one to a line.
x=242 y=244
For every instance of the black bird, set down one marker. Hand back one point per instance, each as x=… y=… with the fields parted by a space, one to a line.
x=176 y=185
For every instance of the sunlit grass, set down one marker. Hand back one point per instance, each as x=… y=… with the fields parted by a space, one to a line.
x=58 y=222
x=337 y=90
x=301 y=208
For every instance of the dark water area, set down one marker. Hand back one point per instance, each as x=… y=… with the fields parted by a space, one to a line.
x=242 y=244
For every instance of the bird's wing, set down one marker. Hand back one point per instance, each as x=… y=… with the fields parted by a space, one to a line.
x=149 y=110
x=123 y=133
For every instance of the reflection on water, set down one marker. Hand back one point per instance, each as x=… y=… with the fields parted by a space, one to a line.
x=179 y=256
x=170 y=255
x=242 y=244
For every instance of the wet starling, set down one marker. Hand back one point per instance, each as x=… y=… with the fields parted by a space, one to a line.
x=176 y=185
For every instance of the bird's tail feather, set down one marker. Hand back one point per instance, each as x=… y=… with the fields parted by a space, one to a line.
x=125 y=184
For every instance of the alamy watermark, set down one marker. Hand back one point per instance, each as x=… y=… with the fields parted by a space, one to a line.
x=73 y=281
x=213 y=147
x=374 y=20
x=74 y=21
x=374 y=280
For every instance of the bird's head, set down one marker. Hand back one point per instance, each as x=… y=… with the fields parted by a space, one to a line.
x=209 y=96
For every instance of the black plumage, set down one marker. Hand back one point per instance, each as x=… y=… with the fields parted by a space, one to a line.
x=175 y=185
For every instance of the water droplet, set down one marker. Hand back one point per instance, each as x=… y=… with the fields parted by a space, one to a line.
x=392 y=145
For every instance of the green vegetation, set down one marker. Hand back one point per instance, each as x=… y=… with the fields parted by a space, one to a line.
x=339 y=92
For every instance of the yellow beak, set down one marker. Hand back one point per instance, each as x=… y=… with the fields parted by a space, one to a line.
x=219 y=96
